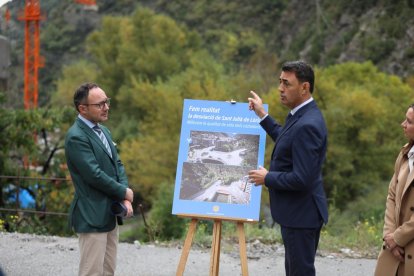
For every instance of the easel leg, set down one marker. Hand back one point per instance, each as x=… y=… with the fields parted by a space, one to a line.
x=187 y=247
x=242 y=248
x=215 y=249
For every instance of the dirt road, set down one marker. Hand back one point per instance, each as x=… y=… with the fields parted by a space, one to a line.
x=24 y=254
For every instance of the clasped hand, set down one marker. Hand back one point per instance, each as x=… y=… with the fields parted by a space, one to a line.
x=129 y=197
x=392 y=246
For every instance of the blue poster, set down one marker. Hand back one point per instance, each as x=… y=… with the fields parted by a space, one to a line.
x=220 y=143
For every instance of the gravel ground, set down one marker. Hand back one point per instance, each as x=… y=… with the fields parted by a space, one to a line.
x=25 y=254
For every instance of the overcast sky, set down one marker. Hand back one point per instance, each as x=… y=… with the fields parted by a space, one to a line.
x=2 y=2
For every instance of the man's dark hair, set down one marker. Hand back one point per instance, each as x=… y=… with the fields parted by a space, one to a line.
x=302 y=70
x=82 y=93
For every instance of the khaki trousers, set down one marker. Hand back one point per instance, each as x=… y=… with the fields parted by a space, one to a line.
x=98 y=253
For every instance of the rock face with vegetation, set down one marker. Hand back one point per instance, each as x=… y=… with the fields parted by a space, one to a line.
x=150 y=56
x=319 y=31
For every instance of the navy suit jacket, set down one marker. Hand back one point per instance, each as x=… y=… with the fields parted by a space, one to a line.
x=294 y=180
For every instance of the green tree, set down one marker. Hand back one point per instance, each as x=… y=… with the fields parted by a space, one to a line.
x=145 y=45
x=363 y=109
x=73 y=76
x=31 y=145
x=29 y=133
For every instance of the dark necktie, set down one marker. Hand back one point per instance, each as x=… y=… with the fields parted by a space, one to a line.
x=103 y=139
x=288 y=117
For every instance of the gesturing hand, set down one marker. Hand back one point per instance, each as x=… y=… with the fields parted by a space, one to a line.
x=256 y=104
x=258 y=176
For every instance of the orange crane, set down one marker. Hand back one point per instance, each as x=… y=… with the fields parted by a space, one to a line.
x=32 y=59
x=7 y=16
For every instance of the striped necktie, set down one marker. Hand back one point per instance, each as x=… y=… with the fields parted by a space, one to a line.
x=103 y=139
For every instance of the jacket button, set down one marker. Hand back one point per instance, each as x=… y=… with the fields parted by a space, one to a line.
x=412 y=208
x=409 y=257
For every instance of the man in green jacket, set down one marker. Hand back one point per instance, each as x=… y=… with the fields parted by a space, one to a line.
x=100 y=181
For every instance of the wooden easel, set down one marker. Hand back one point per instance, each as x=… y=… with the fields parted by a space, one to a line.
x=215 y=246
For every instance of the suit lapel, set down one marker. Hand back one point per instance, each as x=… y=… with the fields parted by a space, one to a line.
x=293 y=121
x=110 y=142
x=90 y=132
x=286 y=127
x=403 y=182
x=295 y=118
x=410 y=179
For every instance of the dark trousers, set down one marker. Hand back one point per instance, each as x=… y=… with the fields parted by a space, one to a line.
x=300 y=250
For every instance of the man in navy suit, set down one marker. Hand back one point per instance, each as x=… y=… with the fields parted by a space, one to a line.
x=297 y=198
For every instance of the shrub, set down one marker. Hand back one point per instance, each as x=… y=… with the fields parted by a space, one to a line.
x=162 y=223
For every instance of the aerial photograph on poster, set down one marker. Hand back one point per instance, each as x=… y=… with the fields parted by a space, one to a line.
x=223 y=148
x=217 y=165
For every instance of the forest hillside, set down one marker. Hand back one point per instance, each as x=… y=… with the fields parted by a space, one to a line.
x=323 y=32
x=151 y=55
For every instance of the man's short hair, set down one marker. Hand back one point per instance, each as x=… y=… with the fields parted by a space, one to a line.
x=303 y=71
x=82 y=93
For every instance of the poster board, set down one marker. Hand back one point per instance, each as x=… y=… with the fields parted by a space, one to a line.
x=220 y=143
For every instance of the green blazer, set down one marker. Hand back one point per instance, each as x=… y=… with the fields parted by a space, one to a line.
x=99 y=180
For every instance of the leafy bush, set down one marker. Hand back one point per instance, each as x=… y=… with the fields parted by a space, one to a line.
x=163 y=224
x=24 y=224
x=359 y=226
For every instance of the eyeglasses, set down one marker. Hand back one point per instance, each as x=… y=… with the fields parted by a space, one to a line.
x=102 y=104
